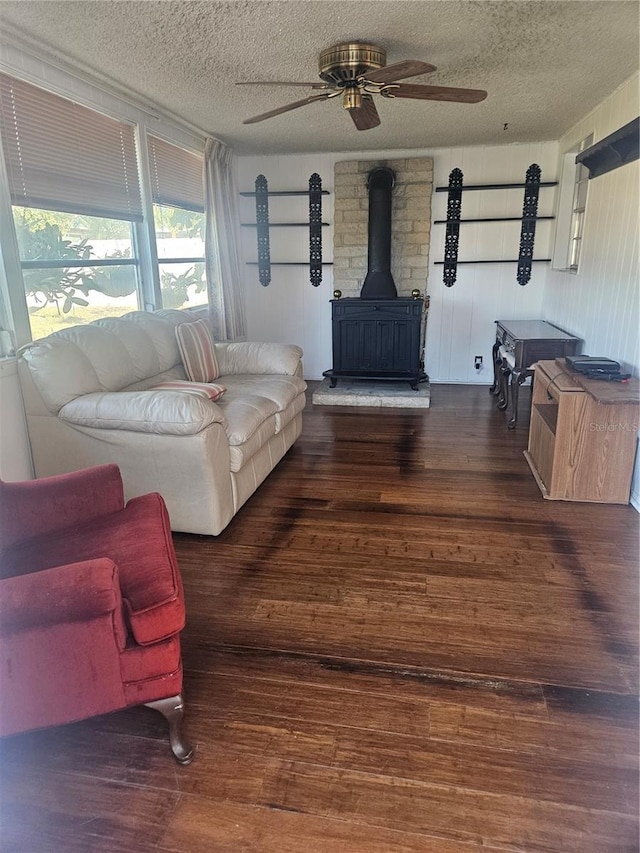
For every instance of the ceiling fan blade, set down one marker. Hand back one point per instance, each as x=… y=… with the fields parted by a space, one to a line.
x=436 y=93
x=287 y=107
x=366 y=115
x=400 y=70
x=315 y=85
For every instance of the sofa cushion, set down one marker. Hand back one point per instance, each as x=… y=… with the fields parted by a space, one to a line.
x=162 y=412
x=281 y=390
x=60 y=371
x=106 y=352
x=287 y=415
x=107 y=355
x=197 y=351
x=240 y=454
x=161 y=331
x=244 y=415
x=144 y=663
x=138 y=343
x=251 y=357
x=175 y=374
x=208 y=390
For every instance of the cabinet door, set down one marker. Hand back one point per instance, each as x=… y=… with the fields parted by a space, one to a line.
x=383 y=346
x=354 y=345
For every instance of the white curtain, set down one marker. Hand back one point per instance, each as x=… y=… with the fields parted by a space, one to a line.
x=222 y=254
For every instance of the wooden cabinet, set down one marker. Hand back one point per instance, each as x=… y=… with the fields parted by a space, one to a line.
x=582 y=435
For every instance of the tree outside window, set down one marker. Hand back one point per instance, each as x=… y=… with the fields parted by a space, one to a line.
x=180 y=246
x=75 y=268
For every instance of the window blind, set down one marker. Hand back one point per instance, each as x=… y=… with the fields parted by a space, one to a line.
x=176 y=175
x=64 y=156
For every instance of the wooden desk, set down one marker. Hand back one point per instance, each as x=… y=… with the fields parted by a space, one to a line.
x=527 y=341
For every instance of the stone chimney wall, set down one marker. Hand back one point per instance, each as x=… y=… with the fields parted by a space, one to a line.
x=410 y=224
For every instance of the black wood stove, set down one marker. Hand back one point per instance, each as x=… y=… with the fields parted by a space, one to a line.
x=377 y=335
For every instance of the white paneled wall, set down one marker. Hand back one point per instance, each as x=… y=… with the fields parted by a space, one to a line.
x=460 y=318
x=601 y=303
x=289 y=309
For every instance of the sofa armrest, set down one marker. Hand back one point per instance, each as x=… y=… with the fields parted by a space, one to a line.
x=35 y=507
x=258 y=358
x=154 y=411
x=77 y=592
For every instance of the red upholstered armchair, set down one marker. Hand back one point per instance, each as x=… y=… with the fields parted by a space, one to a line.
x=91 y=604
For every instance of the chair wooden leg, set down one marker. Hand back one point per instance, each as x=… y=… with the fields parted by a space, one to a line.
x=173 y=710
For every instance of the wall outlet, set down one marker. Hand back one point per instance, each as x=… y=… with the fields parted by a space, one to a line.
x=477 y=363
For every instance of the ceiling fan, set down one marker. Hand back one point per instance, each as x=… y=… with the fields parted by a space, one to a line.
x=358 y=70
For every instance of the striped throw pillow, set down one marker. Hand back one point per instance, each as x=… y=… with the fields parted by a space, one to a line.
x=209 y=390
x=197 y=351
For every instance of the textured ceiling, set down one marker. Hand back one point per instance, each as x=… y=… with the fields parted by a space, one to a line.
x=544 y=64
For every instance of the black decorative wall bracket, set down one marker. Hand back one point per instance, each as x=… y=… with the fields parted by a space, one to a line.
x=452 y=234
x=262 y=221
x=315 y=229
x=528 y=230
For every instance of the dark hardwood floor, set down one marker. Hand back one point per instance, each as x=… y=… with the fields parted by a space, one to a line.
x=396 y=646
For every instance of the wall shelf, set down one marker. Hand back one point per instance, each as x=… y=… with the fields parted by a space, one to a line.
x=286 y=192
x=315 y=224
x=528 y=219
x=499 y=261
x=617 y=149
x=282 y=225
x=494 y=219
x=496 y=186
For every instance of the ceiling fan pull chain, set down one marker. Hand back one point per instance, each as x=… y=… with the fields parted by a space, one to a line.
x=262 y=230
x=528 y=230
x=315 y=229
x=452 y=233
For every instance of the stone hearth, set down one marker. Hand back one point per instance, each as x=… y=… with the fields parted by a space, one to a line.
x=369 y=392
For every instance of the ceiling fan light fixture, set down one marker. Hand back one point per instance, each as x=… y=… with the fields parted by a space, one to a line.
x=352 y=98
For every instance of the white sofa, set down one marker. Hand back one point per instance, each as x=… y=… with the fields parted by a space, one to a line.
x=89 y=399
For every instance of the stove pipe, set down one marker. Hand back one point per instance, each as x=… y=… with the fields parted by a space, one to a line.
x=379 y=283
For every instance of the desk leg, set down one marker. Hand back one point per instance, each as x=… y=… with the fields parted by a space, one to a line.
x=505 y=374
x=495 y=388
x=517 y=378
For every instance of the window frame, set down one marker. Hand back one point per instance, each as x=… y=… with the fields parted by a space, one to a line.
x=72 y=265
x=32 y=68
x=571 y=210
x=155 y=187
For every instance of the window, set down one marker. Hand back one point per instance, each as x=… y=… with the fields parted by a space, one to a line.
x=571 y=210
x=75 y=268
x=75 y=229
x=75 y=194
x=178 y=209
x=577 y=214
